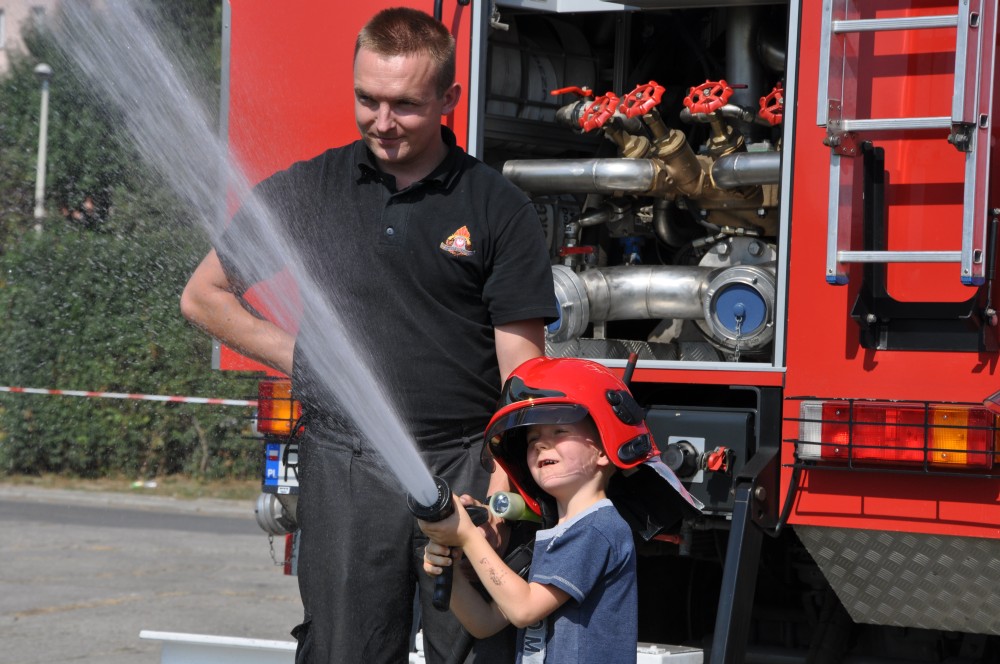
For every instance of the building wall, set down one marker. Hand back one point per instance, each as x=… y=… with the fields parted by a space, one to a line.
x=14 y=16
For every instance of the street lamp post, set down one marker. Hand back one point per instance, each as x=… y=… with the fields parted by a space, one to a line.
x=43 y=72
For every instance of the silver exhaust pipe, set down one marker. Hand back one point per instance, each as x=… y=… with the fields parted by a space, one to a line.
x=582 y=176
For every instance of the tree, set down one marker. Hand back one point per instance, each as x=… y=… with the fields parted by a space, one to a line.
x=89 y=159
x=98 y=311
x=92 y=303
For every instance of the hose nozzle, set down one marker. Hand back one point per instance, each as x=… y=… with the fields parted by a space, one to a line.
x=442 y=508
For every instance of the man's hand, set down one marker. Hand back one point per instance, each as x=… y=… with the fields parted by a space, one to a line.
x=209 y=301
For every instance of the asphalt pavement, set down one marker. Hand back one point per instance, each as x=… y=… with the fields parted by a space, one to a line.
x=83 y=573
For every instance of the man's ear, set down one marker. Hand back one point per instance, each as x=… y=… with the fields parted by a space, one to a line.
x=451 y=98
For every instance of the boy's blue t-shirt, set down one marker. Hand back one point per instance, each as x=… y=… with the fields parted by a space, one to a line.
x=592 y=558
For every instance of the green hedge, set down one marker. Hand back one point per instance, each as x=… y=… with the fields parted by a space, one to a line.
x=99 y=312
x=91 y=303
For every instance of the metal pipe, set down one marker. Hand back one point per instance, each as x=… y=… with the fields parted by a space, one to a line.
x=736 y=112
x=729 y=111
x=771 y=54
x=634 y=292
x=439 y=9
x=582 y=176
x=43 y=72
x=626 y=292
x=596 y=217
x=741 y=169
x=570 y=114
x=741 y=61
x=662 y=225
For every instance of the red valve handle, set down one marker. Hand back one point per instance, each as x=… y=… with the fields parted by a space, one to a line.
x=642 y=100
x=575 y=89
x=599 y=111
x=718 y=459
x=772 y=106
x=571 y=251
x=708 y=97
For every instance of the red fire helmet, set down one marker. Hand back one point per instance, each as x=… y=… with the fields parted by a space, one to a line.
x=547 y=390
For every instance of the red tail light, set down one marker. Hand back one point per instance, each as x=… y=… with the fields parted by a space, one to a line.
x=898 y=433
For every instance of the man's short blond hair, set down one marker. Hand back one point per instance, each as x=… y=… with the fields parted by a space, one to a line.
x=405 y=31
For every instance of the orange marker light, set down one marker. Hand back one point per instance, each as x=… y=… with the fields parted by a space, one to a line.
x=277 y=411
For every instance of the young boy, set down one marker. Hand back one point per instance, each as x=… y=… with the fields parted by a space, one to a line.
x=563 y=428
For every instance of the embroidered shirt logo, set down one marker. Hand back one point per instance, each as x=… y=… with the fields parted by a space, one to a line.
x=459 y=243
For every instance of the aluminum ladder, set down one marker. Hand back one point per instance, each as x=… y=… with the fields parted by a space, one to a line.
x=968 y=125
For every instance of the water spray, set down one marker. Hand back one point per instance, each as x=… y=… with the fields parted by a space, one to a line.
x=128 y=61
x=442 y=508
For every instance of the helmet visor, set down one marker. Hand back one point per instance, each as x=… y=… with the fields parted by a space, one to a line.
x=551 y=413
x=515 y=390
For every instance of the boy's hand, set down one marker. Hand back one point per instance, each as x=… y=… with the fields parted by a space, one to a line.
x=436 y=558
x=497 y=532
x=453 y=531
x=494 y=530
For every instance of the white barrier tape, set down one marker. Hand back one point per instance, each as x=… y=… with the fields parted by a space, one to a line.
x=137 y=397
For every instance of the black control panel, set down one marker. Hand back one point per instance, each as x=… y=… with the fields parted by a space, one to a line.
x=704 y=447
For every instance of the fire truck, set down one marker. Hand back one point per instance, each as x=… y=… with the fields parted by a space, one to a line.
x=785 y=210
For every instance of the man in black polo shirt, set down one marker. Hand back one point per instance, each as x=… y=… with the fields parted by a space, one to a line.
x=438 y=266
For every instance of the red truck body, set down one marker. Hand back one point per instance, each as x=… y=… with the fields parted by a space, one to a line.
x=796 y=239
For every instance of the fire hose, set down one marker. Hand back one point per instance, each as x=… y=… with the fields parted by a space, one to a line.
x=443 y=508
x=508 y=505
